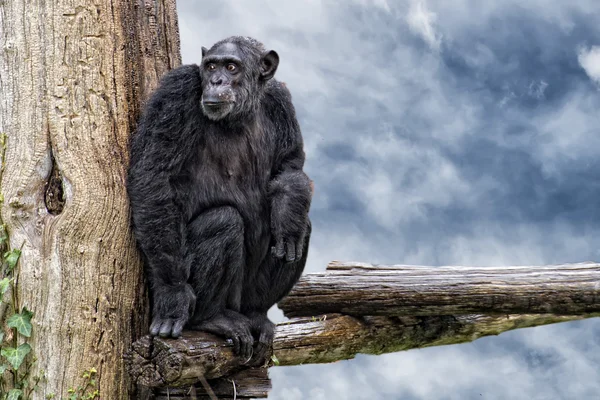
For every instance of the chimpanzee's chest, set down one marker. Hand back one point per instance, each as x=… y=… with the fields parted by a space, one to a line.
x=229 y=169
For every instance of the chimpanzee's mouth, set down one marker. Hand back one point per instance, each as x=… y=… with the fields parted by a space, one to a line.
x=213 y=104
x=216 y=110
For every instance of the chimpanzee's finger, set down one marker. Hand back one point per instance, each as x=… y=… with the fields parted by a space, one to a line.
x=279 y=249
x=155 y=327
x=165 y=329
x=290 y=252
x=236 y=344
x=299 y=249
x=178 y=328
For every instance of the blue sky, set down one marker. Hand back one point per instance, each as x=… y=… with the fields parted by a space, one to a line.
x=441 y=133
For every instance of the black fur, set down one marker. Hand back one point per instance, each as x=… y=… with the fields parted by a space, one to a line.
x=218 y=196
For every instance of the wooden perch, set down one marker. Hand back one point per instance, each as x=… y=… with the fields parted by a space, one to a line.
x=432 y=306
x=365 y=289
x=179 y=362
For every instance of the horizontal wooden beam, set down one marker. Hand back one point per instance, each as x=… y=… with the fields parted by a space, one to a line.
x=365 y=289
x=362 y=308
x=327 y=338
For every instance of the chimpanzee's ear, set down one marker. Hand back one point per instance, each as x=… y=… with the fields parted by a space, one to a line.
x=204 y=50
x=268 y=64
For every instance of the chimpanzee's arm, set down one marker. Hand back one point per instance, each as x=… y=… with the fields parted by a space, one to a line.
x=290 y=189
x=158 y=150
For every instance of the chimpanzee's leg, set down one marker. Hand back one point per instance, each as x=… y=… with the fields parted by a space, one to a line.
x=264 y=287
x=215 y=243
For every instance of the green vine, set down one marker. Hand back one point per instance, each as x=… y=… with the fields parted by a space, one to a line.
x=16 y=362
x=88 y=391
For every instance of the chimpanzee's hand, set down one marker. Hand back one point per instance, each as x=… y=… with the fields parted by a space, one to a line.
x=289 y=246
x=173 y=306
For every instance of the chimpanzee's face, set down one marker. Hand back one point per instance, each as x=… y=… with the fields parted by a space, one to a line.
x=225 y=85
x=233 y=78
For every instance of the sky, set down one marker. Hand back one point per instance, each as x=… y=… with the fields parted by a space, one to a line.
x=440 y=133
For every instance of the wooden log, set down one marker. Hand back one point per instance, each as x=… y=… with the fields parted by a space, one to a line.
x=179 y=362
x=365 y=289
x=248 y=384
x=156 y=362
x=395 y=308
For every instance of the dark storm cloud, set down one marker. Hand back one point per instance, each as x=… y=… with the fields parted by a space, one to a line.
x=441 y=132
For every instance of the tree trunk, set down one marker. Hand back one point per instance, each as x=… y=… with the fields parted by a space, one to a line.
x=73 y=75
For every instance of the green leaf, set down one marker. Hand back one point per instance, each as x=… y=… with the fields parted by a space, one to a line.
x=275 y=360
x=16 y=356
x=3 y=368
x=14 y=394
x=12 y=257
x=1 y=337
x=4 y=285
x=22 y=322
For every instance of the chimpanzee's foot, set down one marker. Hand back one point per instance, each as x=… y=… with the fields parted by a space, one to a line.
x=264 y=331
x=230 y=325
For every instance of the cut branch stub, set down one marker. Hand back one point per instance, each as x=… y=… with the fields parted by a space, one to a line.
x=157 y=362
x=365 y=289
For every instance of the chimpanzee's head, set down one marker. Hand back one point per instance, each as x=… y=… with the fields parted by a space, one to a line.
x=234 y=72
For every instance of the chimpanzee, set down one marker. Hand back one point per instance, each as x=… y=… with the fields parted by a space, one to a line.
x=218 y=197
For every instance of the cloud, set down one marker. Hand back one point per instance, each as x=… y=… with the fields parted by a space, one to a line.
x=589 y=59
x=421 y=22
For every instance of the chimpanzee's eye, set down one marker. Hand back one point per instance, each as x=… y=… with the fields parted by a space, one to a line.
x=231 y=67
x=211 y=67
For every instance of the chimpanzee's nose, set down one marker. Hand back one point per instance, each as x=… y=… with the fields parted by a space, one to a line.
x=217 y=80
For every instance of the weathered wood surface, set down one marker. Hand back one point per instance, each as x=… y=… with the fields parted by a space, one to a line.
x=323 y=339
x=179 y=362
x=365 y=289
x=247 y=384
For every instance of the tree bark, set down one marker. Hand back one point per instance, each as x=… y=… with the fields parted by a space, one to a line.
x=247 y=384
x=323 y=339
x=365 y=289
x=73 y=75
